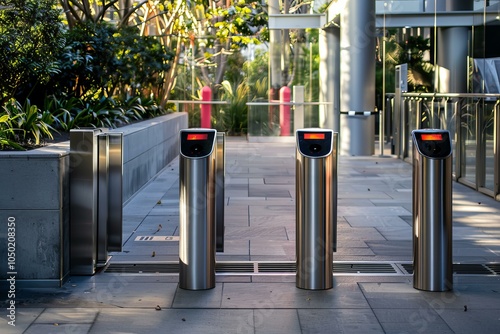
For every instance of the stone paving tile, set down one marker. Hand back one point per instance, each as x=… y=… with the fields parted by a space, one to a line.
x=275 y=321
x=268 y=248
x=138 y=320
x=423 y=320
x=391 y=247
x=339 y=321
x=287 y=295
x=393 y=296
x=396 y=233
x=259 y=232
x=211 y=298
x=24 y=317
x=67 y=316
x=472 y=321
x=376 y=221
x=58 y=328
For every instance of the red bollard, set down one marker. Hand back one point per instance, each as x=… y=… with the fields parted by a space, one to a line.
x=206 y=109
x=285 y=95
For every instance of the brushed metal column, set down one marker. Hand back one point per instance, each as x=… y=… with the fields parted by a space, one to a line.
x=197 y=217
x=220 y=174
x=102 y=199
x=316 y=217
x=432 y=217
x=110 y=199
x=115 y=195
x=83 y=201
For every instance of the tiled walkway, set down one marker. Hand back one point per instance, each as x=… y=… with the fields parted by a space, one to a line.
x=374 y=227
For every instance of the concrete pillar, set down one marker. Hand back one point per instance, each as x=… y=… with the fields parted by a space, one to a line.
x=452 y=48
x=357 y=78
x=452 y=51
x=274 y=49
x=329 y=79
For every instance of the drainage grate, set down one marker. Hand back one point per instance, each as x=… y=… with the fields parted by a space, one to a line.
x=234 y=267
x=364 y=268
x=465 y=268
x=470 y=269
x=408 y=267
x=143 y=268
x=273 y=267
x=289 y=267
x=494 y=267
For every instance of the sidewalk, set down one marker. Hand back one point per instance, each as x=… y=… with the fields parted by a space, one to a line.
x=373 y=286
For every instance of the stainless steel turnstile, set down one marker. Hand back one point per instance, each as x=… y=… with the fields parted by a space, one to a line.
x=96 y=172
x=432 y=210
x=197 y=190
x=316 y=207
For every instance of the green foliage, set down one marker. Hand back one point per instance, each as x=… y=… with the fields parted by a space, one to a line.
x=411 y=52
x=31 y=35
x=71 y=113
x=103 y=60
x=29 y=126
x=241 y=23
x=257 y=73
x=233 y=118
x=6 y=133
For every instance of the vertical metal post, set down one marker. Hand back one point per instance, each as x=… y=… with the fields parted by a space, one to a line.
x=197 y=209
x=83 y=201
x=115 y=195
x=432 y=210
x=381 y=131
x=458 y=135
x=96 y=172
x=102 y=198
x=220 y=173
x=316 y=207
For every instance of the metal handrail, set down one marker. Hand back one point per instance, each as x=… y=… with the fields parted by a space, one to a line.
x=457 y=110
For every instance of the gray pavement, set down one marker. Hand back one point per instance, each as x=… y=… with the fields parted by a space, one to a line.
x=373 y=286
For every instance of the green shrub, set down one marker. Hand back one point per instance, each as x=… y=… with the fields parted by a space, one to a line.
x=233 y=117
x=6 y=132
x=31 y=37
x=29 y=127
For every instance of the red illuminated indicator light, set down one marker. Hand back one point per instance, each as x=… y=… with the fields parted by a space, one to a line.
x=314 y=136
x=197 y=136
x=433 y=136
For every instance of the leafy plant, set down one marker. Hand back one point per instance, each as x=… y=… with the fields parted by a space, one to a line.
x=234 y=116
x=6 y=132
x=30 y=126
x=31 y=37
x=101 y=59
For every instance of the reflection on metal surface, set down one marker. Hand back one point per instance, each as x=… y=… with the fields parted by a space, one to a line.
x=83 y=201
x=219 y=191
x=115 y=192
x=432 y=212
x=316 y=207
x=197 y=210
x=96 y=173
x=102 y=206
